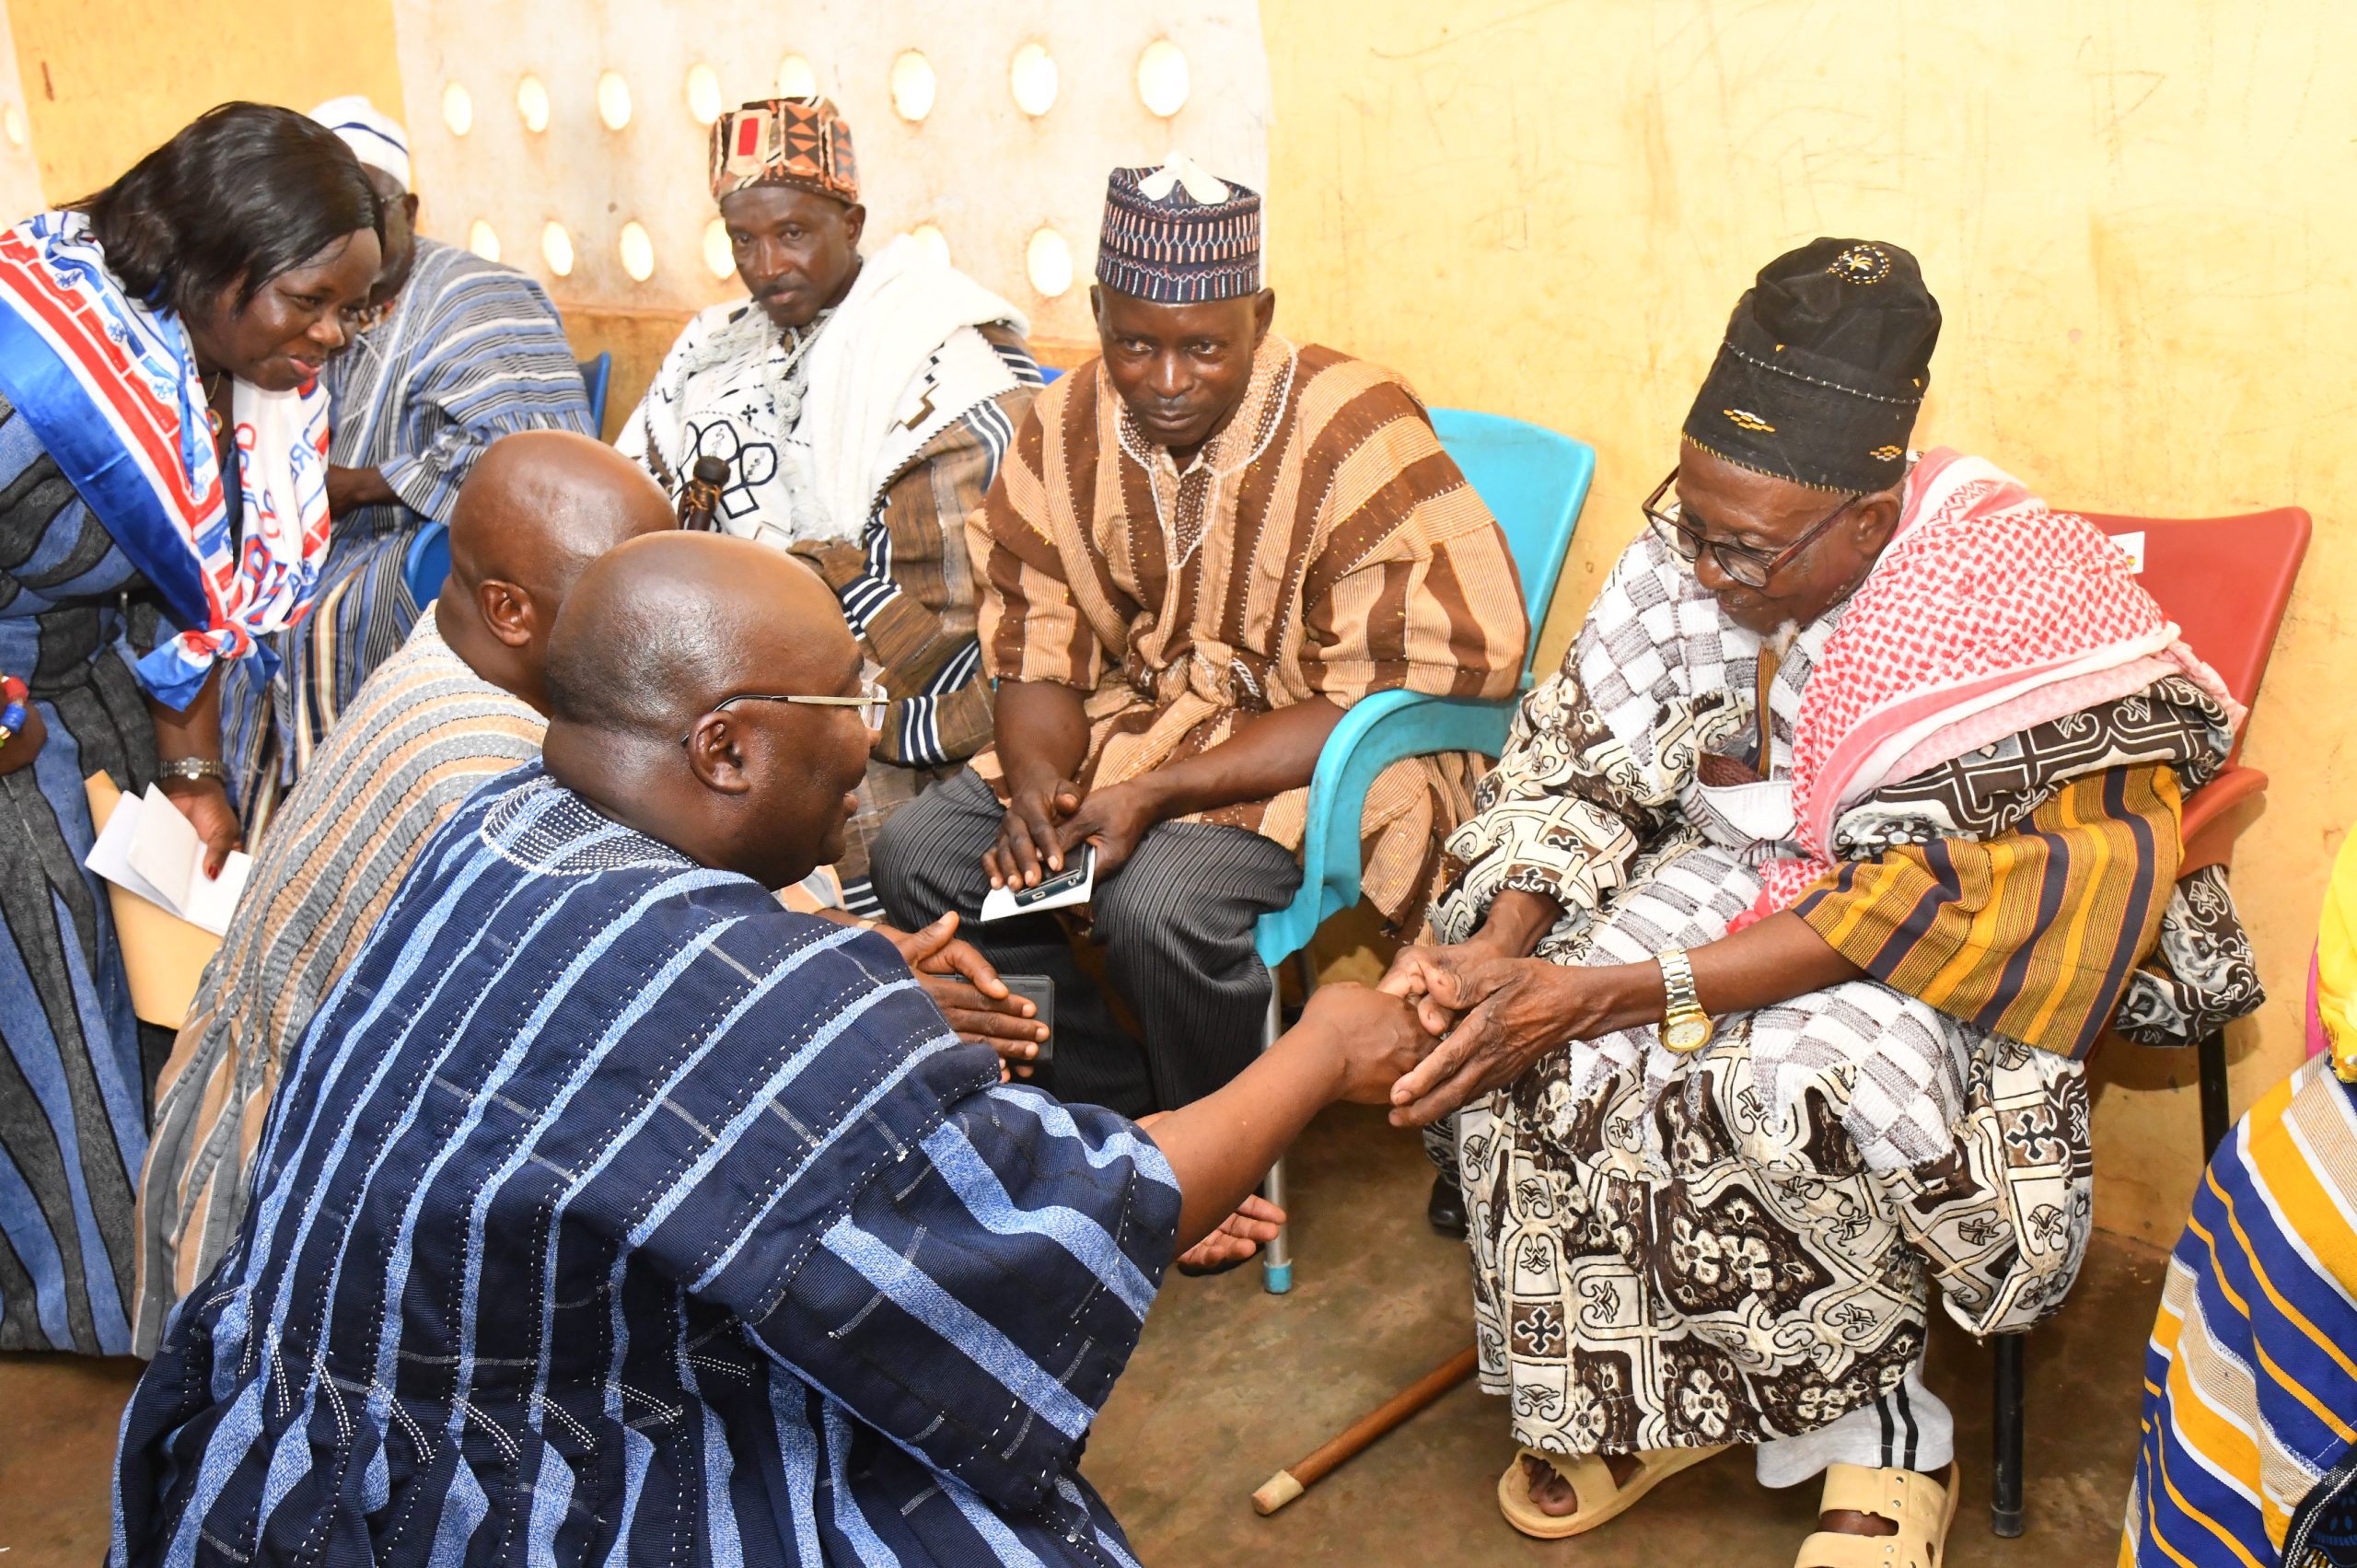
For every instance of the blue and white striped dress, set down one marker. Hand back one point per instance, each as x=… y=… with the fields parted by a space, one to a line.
x=610 y=1212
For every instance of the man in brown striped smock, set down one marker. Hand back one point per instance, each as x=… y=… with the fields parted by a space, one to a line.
x=1202 y=547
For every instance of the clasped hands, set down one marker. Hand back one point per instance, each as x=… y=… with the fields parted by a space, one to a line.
x=969 y=994
x=1494 y=1013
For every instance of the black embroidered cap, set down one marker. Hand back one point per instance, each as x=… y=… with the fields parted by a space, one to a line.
x=1823 y=370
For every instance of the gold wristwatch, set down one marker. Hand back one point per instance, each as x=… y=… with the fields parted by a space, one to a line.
x=1684 y=1026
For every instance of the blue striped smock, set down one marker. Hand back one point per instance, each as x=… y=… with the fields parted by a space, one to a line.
x=610 y=1212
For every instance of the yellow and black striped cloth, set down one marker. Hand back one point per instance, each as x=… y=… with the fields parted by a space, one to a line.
x=2032 y=934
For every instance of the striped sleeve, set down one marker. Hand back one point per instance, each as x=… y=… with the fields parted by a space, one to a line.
x=1029 y=623
x=977 y=1302
x=908 y=590
x=969 y=1283
x=2250 y=1387
x=2032 y=934
x=499 y=364
x=1412 y=585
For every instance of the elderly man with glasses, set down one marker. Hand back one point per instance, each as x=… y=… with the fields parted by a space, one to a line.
x=1849 y=823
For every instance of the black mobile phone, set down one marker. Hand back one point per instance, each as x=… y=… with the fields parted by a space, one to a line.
x=1041 y=991
x=1071 y=877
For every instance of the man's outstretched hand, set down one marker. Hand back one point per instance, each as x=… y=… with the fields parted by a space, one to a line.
x=1375 y=1037
x=969 y=992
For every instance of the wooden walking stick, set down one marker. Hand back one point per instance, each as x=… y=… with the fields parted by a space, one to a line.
x=1300 y=1476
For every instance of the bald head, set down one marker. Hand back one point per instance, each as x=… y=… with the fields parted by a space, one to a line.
x=538 y=507
x=663 y=628
x=541 y=505
x=656 y=637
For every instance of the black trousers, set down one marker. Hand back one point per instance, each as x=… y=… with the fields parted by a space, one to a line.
x=1175 y=923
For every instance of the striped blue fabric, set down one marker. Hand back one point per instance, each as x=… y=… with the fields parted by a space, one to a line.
x=610 y=1212
x=472 y=352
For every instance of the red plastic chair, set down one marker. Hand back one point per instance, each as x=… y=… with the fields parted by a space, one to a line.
x=2224 y=581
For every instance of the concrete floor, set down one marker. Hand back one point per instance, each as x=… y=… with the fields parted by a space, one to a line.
x=1231 y=1384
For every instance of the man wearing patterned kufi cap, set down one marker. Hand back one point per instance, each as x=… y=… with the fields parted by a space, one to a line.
x=1205 y=545
x=1792 y=908
x=862 y=403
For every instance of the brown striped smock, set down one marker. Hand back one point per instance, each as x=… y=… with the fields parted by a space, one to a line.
x=1321 y=545
x=419 y=736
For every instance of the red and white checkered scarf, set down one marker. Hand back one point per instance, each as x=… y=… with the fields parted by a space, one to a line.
x=1987 y=613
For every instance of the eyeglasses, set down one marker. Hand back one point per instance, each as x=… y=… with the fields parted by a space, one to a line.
x=871 y=702
x=1747 y=566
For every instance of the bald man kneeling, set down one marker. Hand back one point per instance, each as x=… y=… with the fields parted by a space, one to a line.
x=458 y=705
x=614 y=1213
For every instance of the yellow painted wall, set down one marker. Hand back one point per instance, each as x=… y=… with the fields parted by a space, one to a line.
x=106 y=80
x=2136 y=218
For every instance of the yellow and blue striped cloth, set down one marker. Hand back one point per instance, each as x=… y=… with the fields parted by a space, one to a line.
x=2249 y=1451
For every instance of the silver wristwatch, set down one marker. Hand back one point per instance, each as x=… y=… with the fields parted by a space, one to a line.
x=190 y=769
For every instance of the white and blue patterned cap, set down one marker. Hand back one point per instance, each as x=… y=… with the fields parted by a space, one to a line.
x=375 y=138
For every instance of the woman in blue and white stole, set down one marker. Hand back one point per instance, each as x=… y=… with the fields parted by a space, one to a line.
x=163 y=510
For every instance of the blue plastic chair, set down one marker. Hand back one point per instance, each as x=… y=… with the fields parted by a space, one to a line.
x=428 y=563
x=429 y=552
x=1534 y=482
x=595 y=374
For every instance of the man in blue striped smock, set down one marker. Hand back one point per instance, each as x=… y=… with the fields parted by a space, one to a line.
x=610 y=1212
x=451 y=352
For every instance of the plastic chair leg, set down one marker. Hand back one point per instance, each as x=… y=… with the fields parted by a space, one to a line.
x=2216 y=1112
x=1276 y=1257
x=2005 y=1459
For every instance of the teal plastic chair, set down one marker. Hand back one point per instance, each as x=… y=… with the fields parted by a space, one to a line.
x=429 y=552
x=1533 y=480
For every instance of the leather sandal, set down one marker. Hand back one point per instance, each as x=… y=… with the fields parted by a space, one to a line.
x=1601 y=1500
x=1922 y=1508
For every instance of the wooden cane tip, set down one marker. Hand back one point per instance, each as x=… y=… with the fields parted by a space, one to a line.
x=1279 y=1489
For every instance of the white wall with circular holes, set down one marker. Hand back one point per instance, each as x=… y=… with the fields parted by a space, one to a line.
x=983 y=127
